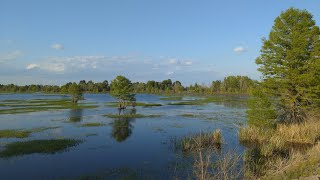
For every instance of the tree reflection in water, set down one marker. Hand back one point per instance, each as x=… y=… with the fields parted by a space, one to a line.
x=75 y=115
x=122 y=127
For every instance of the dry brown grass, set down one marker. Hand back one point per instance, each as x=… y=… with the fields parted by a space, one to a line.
x=297 y=165
x=284 y=137
x=286 y=152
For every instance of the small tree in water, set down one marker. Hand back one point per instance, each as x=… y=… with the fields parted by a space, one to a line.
x=121 y=88
x=76 y=92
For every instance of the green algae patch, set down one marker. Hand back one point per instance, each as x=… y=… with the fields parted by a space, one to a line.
x=50 y=146
x=18 y=133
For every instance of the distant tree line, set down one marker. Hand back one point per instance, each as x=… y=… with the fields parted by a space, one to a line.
x=230 y=85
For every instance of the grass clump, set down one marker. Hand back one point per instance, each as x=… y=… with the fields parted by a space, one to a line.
x=202 y=140
x=172 y=98
x=93 y=124
x=37 y=146
x=16 y=133
x=131 y=116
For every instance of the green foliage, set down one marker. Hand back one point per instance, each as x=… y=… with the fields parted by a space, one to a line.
x=289 y=62
x=232 y=85
x=76 y=92
x=121 y=89
x=261 y=112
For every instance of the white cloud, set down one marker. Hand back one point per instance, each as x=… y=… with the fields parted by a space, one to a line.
x=10 y=56
x=57 y=46
x=240 y=49
x=32 y=66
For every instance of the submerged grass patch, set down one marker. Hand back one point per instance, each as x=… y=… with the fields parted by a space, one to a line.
x=16 y=133
x=206 y=100
x=131 y=116
x=35 y=105
x=188 y=115
x=92 y=124
x=172 y=98
x=182 y=103
x=201 y=140
x=50 y=146
x=142 y=104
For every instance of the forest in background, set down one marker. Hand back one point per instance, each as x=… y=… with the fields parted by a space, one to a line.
x=229 y=85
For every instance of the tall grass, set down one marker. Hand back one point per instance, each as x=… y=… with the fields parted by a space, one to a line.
x=283 y=137
x=202 y=140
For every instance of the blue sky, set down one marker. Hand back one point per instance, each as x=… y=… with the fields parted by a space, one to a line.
x=54 y=42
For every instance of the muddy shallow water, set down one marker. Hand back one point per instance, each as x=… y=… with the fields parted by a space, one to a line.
x=139 y=147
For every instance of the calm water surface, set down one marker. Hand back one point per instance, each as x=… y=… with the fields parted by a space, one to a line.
x=142 y=146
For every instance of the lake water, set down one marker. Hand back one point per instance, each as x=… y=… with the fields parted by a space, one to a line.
x=141 y=147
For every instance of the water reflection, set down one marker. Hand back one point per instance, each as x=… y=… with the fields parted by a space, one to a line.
x=75 y=115
x=122 y=127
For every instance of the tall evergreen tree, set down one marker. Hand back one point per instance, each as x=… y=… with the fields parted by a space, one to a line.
x=289 y=62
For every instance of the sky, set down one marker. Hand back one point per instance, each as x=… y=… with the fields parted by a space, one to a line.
x=55 y=42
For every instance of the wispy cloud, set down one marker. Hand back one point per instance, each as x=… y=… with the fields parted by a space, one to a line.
x=169 y=73
x=9 y=56
x=97 y=68
x=175 y=61
x=32 y=66
x=57 y=46
x=240 y=49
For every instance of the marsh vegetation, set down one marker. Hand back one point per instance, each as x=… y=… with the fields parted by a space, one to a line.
x=271 y=132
